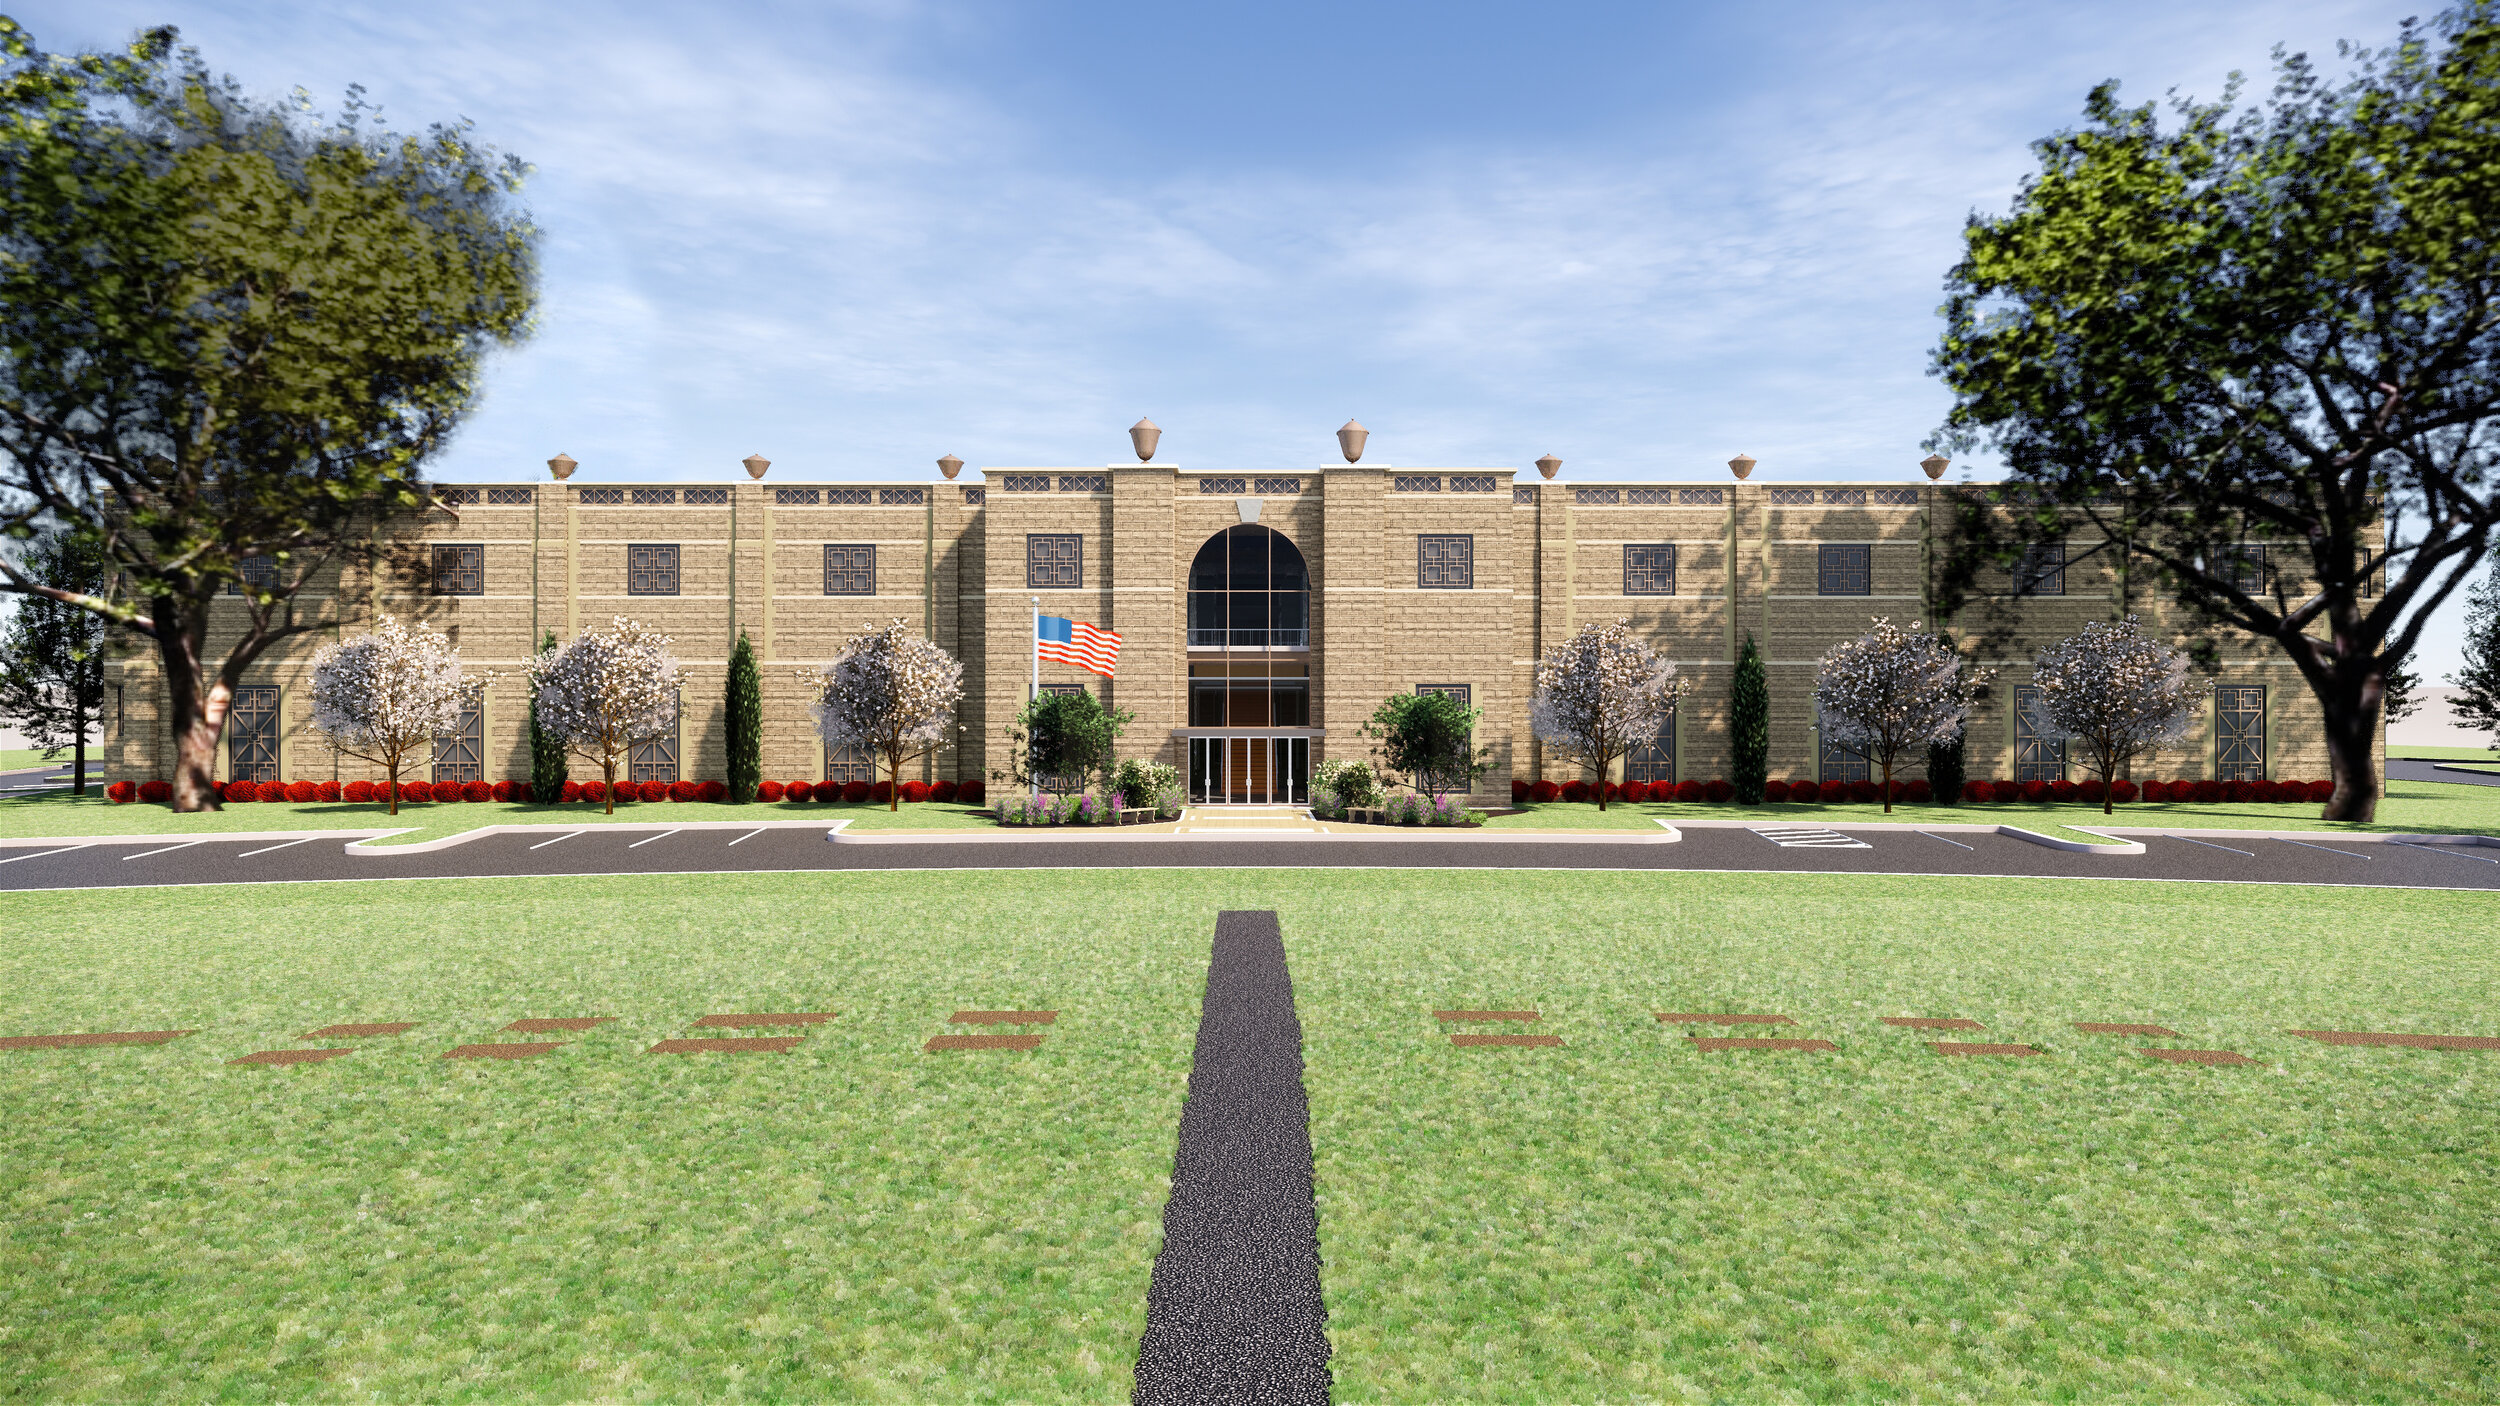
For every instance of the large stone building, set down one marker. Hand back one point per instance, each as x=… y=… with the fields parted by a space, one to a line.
x=1263 y=615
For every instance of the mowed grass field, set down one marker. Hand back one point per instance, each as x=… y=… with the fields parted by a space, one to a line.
x=1620 y=1218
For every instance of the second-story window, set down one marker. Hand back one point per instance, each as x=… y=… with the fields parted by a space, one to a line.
x=1844 y=569
x=2042 y=570
x=1054 y=560
x=1445 y=562
x=460 y=570
x=1649 y=570
x=254 y=571
x=850 y=570
x=651 y=569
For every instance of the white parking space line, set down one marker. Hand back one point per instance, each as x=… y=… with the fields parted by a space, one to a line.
x=12 y=859
x=2348 y=854
x=1793 y=838
x=2210 y=845
x=308 y=839
x=166 y=850
x=742 y=839
x=664 y=834
x=560 y=839
x=2448 y=850
x=1957 y=844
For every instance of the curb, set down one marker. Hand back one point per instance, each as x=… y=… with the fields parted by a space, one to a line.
x=362 y=849
x=2115 y=845
x=1078 y=834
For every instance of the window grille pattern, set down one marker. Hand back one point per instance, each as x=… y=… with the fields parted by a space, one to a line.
x=850 y=763
x=1792 y=497
x=1085 y=483
x=1445 y=562
x=2243 y=566
x=1844 y=570
x=848 y=497
x=1845 y=497
x=2036 y=757
x=2240 y=732
x=1841 y=764
x=460 y=570
x=1025 y=483
x=1701 y=497
x=1649 y=570
x=850 y=570
x=1248 y=589
x=796 y=497
x=1055 y=560
x=651 y=569
x=602 y=497
x=976 y=497
x=655 y=760
x=1471 y=483
x=707 y=497
x=510 y=497
x=455 y=497
x=1596 y=497
x=655 y=497
x=1522 y=494
x=252 y=733
x=2042 y=570
x=1896 y=497
x=1221 y=487
x=1279 y=485
x=1653 y=760
x=1415 y=483
x=254 y=571
x=460 y=754
x=902 y=497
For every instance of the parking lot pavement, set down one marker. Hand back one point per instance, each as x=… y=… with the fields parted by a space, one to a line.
x=610 y=849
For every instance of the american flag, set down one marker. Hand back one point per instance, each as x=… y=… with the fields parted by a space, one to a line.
x=1075 y=642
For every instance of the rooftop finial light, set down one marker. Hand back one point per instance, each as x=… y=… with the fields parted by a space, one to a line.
x=563 y=465
x=1742 y=465
x=756 y=465
x=1350 y=439
x=1549 y=466
x=1145 y=434
x=1935 y=465
x=950 y=466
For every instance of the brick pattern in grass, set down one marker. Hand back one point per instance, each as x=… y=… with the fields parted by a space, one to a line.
x=509 y=1051
x=366 y=1031
x=2401 y=1042
x=102 y=1037
x=981 y=1042
x=291 y=1056
x=756 y=1044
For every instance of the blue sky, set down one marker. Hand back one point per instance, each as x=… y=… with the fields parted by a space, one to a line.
x=854 y=237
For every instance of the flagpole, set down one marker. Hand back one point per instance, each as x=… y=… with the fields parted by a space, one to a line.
x=1036 y=777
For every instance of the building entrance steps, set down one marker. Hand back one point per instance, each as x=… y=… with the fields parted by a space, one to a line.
x=1233 y=820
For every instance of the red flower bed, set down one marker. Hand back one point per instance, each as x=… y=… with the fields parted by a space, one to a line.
x=1830 y=792
x=594 y=792
x=2205 y=792
x=684 y=790
x=1864 y=792
x=501 y=790
x=652 y=791
x=2318 y=790
x=271 y=792
x=121 y=793
x=716 y=791
x=357 y=791
x=2035 y=791
x=1775 y=790
x=475 y=791
x=2122 y=791
x=1518 y=790
x=857 y=791
x=299 y=792
x=799 y=791
x=1576 y=789
x=1544 y=792
x=882 y=793
x=2062 y=790
x=942 y=792
x=770 y=791
x=2155 y=790
x=1633 y=791
x=970 y=792
x=1719 y=789
x=1918 y=791
x=156 y=790
x=915 y=791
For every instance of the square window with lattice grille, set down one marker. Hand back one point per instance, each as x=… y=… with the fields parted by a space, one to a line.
x=651 y=569
x=254 y=571
x=1445 y=562
x=1649 y=570
x=1844 y=569
x=850 y=570
x=460 y=569
x=1054 y=560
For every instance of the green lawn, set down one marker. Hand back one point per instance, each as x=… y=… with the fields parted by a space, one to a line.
x=59 y=813
x=1621 y=1218
x=2446 y=754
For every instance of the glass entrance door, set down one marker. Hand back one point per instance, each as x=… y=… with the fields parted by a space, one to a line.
x=1249 y=771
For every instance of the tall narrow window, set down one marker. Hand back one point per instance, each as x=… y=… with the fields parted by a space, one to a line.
x=460 y=570
x=2240 y=732
x=1653 y=760
x=2036 y=757
x=850 y=763
x=252 y=733
x=460 y=754
x=1841 y=764
x=1054 y=560
x=656 y=760
x=1445 y=562
x=850 y=570
x=1649 y=570
x=651 y=570
x=1844 y=570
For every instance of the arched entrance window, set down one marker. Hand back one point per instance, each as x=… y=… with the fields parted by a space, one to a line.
x=1248 y=590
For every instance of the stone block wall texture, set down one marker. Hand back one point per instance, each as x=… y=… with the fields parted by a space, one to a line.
x=951 y=562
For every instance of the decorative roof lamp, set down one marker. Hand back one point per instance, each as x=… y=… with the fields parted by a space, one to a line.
x=1549 y=466
x=1935 y=465
x=1742 y=465
x=950 y=466
x=562 y=466
x=1350 y=438
x=756 y=465
x=1145 y=435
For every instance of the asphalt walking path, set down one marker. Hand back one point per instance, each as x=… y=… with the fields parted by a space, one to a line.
x=552 y=851
x=1233 y=1311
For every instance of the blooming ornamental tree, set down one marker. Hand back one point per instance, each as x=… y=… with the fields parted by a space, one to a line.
x=385 y=695
x=1892 y=691
x=1600 y=694
x=893 y=693
x=605 y=691
x=2115 y=693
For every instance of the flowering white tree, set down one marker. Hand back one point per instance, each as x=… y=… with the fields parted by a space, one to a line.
x=1600 y=694
x=2116 y=694
x=384 y=695
x=891 y=692
x=605 y=691
x=1890 y=692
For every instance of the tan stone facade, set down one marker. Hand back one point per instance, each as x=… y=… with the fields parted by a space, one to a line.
x=1697 y=566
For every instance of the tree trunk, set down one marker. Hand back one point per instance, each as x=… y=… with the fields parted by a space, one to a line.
x=1887 y=786
x=195 y=706
x=390 y=773
x=2348 y=738
x=78 y=771
x=894 y=781
x=607 y=773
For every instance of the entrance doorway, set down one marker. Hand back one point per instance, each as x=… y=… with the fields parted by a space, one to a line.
x=1249 y=771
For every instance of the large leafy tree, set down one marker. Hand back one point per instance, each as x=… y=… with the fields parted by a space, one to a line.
x=52 y=655
x=2478 y=676
x=1429 y=739
x=230 y=335
x=2233 y=347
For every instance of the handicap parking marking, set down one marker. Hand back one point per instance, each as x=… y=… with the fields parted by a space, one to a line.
x=1793 y=837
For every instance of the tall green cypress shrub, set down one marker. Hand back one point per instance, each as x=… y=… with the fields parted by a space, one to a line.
x=1750 y=727
x=1944 y=770
x=746 y=723
x=548 y=763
